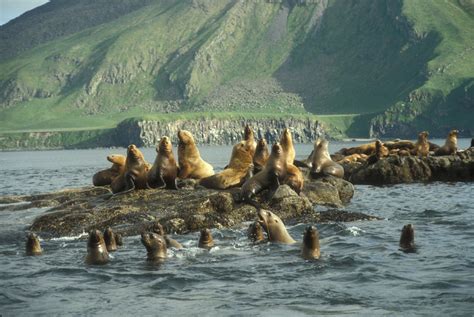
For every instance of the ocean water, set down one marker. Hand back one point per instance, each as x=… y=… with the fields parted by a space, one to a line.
x=361 y=270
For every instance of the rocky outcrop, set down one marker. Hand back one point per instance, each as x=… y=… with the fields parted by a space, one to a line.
x=396 y=169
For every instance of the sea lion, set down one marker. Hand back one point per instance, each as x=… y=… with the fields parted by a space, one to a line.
x=205 y=239
x=170 y=242
x=165 y=169
x=33 y=246
x=110 y=241
x=261 y=155
x=380 y=152
x=135 y=173
x=294 y=178
x=255 y=232
x=407 y=238
x=286 y=141
x=155 y=245
x=353 y=158
x=422 y=147
x=322 y=164
x=249 y=139
x=191 y=165
x=270 y=177
x=472 y=142
x=399 y=145
x=310 y=247
x=236 y=171
x=367 y=149
x=105 y=177
x=450 y=146
x=119 y=239
x=97 y=253
x=275 y=228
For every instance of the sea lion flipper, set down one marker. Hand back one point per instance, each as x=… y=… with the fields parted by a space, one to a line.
x=298 y=163
x=129 y=184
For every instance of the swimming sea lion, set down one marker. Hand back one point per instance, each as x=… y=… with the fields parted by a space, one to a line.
x=135 y=173
x=323 y=164
x=422 y=147
x=275 y=228
x=191 y=165
x=236 y=171
x=118 y=239
x=270 y=177
x=255 y=232
x=155 y=245
x=33 y=246
x=165 y=169
x=249 y=140
x=407 y=238
x=310 y=247
x=96 y=249
x=450 y=146
x=109 y=238
x=205 y=239
x=105 y=177
x=170 y=242
x=261 y=155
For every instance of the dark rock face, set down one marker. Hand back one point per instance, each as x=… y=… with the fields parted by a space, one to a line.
x=396 y=169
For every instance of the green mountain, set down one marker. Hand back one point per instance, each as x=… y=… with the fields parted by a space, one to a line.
x=386 y=66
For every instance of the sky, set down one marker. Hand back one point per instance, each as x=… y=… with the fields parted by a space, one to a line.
x=10 y=9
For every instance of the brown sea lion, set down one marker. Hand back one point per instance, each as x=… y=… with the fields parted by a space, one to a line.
x=135 y=173
x=105 y=177
x=353 y=158
x=422 y=147
x=270 y=177
x=236 y=171
x=275 y=228
x=261 y=155
x=191 y=165
x=472 y=142
x=170 y=242
x=399 y=145
x=109 y=238
x=97 y=253
x=155 y=245
x=255 y=232
x=407 y=238
x=118 y=239
x=310 y=247
x=33 y=246
x=249 y=140
x=205 y=239
x=286 y=141
x=450 y=146
x=294 y=178
x=165 y=169
x=380 y=152
x=322 y=164
x=367 y=149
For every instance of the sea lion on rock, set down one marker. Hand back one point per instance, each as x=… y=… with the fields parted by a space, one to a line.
x=322 y=164
x=109 y=238
x=294 y=178
x=97 y=253
x=261 y=155
x=33 y=246
x=155 y=245
x=249 y=140
x=205 y=239
x=422 y=147
x=380 y=152
x=353 y=158
x=165 y=169
x=170 y=242
x=236 y=171
x=255 y=232
x=367 y=149
x=191 y=165
x=274 y=226
x=270 y=177
x=450 y=146
x=399 y=145
x=105 y=177
x=310 y=247
x=135 y=173
x=286 y=141
x=407 y=238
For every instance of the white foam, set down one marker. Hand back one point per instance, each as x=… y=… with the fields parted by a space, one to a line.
x=70 y=238
x=355 y=231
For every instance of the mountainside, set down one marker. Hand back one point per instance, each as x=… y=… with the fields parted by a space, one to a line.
x=394 y=66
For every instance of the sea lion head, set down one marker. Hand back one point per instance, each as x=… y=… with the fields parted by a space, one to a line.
x=205 y=239
x=277 y=150
x=241 y=153
x=96 y=249
x=407 y=237
x=268 y=219
x=109 y=238
x=255 y=232
x=158 y=229
x=134 y=153
x=165 y=145
x=321 y=145
x=118 y=239
x=248 y=133
x=116 y=159
x=155 y=246
x=311 y=238
x=185 y=137
x=33 y=246
x=286 y=136
x=95 y=239
x=262 y=144
x=454 y=133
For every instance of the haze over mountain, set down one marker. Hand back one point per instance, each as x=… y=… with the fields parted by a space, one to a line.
x=391 y=67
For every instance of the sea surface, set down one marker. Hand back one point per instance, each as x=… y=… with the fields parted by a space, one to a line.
x=361 y=270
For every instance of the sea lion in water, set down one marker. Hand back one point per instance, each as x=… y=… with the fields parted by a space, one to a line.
x=249 y=139
x=380 y=152
x=450 y=146
x=236 y=171
x=191 y=165
x=165 y=169
x=261 y=155
x=422 y=146
x=33 y=246
x=97 y=253
x=323 y=164
x=105 y=177
x=110 y=241
x=155 y=245
x=118 y=239
x=310 y=247
x=255 y=232
x=270 y=177
x=407 y=238
x=274 y=226
x=135 y=173
x=205 y=239
x=170 y=242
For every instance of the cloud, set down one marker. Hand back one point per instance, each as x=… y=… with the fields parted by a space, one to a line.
x=10 y=9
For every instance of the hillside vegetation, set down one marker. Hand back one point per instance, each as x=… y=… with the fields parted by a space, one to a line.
x=381 y=65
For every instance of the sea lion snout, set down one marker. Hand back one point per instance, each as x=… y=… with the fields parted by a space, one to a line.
x=95 y=237
x=33 y=246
